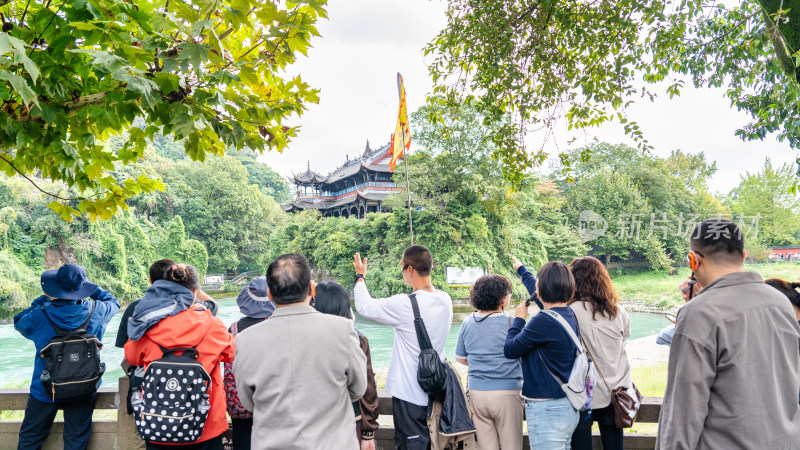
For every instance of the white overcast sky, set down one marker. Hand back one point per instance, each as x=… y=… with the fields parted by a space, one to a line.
x=365 y=43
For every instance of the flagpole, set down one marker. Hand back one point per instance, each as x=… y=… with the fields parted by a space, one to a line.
x=408 y=189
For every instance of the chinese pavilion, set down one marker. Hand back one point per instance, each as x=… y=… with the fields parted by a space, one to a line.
x=354 y=189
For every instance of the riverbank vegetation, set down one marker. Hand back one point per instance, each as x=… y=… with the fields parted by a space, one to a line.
x=633 y=210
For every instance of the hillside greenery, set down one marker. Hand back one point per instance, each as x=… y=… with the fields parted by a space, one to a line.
x=224 y=216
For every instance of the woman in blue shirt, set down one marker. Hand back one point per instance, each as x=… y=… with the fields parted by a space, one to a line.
x=494 y=381
x=546 y=351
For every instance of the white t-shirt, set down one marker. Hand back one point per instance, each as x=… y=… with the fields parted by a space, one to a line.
x=436 y=310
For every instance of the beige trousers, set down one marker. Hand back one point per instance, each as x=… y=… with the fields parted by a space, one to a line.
x=497 y=416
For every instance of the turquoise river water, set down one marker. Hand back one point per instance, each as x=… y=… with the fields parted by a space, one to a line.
x=16 y=352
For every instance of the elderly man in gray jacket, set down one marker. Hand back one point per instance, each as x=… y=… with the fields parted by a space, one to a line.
x=734 y=365
x=299 y=371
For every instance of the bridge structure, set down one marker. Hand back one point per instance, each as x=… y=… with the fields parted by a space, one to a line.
x=115 y=428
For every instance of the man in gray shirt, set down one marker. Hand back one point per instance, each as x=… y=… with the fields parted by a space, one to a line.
x=734 y=365
x=299 y=371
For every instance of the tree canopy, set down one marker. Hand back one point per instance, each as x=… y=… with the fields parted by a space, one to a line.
x=210 y=73
x=537 y=61
x=764 y=196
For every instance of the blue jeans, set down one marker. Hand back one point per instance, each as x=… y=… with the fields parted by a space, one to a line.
x=551 y=423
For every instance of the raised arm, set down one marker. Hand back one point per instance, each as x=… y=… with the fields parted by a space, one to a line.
x=384 y=310
x=106 y=302
x=528 y=280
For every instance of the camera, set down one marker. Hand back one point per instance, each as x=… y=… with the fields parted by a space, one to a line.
x=532 y=299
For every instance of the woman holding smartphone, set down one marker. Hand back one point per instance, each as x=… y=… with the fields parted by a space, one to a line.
x=546 y=351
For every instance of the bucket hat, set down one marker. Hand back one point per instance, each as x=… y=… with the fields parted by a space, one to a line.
x=253 y=301
x=67 y=283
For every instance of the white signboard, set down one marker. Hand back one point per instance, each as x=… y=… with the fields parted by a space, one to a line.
x=213 y=278
x=463 y=276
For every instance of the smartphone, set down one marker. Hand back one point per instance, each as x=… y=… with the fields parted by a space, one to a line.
x=531 y=299
x=671 y=318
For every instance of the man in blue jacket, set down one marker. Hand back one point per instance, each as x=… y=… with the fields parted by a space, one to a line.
x=64 y=292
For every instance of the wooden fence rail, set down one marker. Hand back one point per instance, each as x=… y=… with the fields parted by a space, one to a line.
x=120 y=433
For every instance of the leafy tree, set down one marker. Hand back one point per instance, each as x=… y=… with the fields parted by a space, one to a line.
x=76 y=72
x=112 y=256
x=270 y=182
x=675 y=188
x=455 y=167
x=588 y=62
x=172 y=244
x=17 y=284
x=542 y=205
x=763 y=197
x=613 y=199
x=7 y=217
x=231 y=217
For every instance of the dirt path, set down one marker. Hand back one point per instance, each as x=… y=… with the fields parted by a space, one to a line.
x=645 y=352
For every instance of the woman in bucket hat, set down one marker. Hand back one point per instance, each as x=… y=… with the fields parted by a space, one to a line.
x=69 y=300
x=256 y=307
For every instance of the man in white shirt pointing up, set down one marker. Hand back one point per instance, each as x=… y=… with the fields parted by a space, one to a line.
x=410 y=402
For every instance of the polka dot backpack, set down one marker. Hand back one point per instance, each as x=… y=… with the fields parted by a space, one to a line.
x=172 y=404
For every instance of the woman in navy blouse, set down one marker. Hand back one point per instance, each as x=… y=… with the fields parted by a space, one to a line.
x=546 y=352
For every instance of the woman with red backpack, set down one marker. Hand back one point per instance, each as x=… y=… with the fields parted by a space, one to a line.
x=180 y=344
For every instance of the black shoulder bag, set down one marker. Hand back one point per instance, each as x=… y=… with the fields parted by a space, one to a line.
x=431 y=372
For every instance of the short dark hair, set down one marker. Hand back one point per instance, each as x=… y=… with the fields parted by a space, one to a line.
x=418 y=257
x=159 y=268
x=183 y=274
x=332 y=298
x=556 y=283
x=719 y=240
x=488 y=292
x=289 y=279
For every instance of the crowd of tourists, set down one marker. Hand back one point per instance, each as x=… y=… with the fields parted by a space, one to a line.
x=295 y=373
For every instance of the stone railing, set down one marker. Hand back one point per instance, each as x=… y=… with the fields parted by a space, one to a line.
x=121 y=433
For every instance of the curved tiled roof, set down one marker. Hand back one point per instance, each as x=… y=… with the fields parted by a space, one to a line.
x=367 y=161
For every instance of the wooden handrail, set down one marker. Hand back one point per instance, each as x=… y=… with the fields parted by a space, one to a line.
x=108 y=398
x=121 y=433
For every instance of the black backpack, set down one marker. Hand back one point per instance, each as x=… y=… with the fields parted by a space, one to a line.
x=431 y=371
x=72 y=362
x=173 y=402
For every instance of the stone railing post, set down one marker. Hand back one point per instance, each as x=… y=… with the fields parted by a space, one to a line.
x=127 y=436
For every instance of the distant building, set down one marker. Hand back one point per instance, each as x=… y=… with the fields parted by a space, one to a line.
x=354 y=189
x=786 y=253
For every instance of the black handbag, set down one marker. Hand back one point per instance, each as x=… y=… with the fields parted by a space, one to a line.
x=431 y=372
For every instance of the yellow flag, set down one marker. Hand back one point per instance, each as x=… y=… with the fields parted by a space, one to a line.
x=401 y=139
